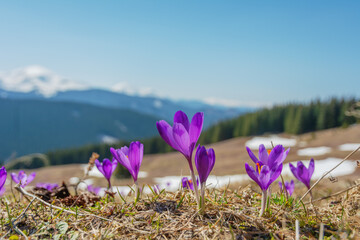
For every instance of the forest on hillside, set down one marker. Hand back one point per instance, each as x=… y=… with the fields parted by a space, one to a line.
x=292 y=118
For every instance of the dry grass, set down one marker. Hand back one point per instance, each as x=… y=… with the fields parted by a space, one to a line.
x=230 y=214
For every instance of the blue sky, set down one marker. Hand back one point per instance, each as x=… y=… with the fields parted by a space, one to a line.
x=247 y=52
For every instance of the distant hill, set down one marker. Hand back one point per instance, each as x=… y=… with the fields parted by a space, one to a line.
x=37 y=82
x=30 y=126
x=289 y=118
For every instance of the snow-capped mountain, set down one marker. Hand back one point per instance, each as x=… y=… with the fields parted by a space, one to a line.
x=36 y=79
x=37 y=82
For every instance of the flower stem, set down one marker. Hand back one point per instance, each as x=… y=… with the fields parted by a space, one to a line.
x=137 y=192
x=202 y=207
x=263 y=202
x=196 y=190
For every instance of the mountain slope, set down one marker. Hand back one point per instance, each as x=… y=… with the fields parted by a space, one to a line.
x=37 y=82
x=29 y=126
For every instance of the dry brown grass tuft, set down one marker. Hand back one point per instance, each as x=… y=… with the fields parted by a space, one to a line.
x=230 y=214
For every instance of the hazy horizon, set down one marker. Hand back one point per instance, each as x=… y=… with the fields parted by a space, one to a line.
x=234 y=53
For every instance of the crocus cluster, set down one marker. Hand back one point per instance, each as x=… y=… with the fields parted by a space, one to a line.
x=22 y=178
x=3 y=175
x=268 y=168
x=183 y=137
x=289 y=187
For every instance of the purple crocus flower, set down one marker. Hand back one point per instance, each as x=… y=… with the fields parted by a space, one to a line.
x=22 y=178
x=268 y=169
x=183 y=135
x=289 y=186
x=94 y=190
x=130 y=158
x=107 y=168
x=263 y=175
x=3 y=175
x=47 y=186
x=272 y=158
x=188 y=183
x=204 y=162
x=302 y=173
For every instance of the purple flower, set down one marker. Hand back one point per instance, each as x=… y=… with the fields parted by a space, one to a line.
x=302 y=173
x=272 y=158
x=187 y=183
x=204 y=162
x=3 y=175
x=183 y=135
x=107 y=168
x=289 y=186
x=48 y=186
x=94 y=190
x=130 y=158
x=22 y=178
x=263 y=175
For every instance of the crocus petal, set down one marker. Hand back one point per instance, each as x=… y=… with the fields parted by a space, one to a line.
x=166 y=132
x=263 y=155
x=252 y=174
x=291 y=187
x=136 y=151
x=2 y=190
x=182 y=139
x=211 y=156
x=285 y=155
x=202 y=163
x=181 y=117
x=280 y=186
x=22 y=176
x=275 y=157
x=107 y=168
x=15 y=178
x=114 y=165
x=99 y=166
x=196 y=127
x=274 y=175
x=30 y=178
x=311 y=168
x=304 y=175
x=252 y=155
x=124 y=160
x=293 y=170
x=3 y=175
x=264 y=177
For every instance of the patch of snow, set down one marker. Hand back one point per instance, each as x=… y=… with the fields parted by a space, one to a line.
x=173 y=183
x=158 y=103
x=142 y=174
x=349 y=147
x=74 y=180
x=315 y=151
x=126 y=88
x=121 y=126
x=256 y=141
x=322 y=166
x=94 y=172
x=37 y=78
x=108 y=139
x=83 y=185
